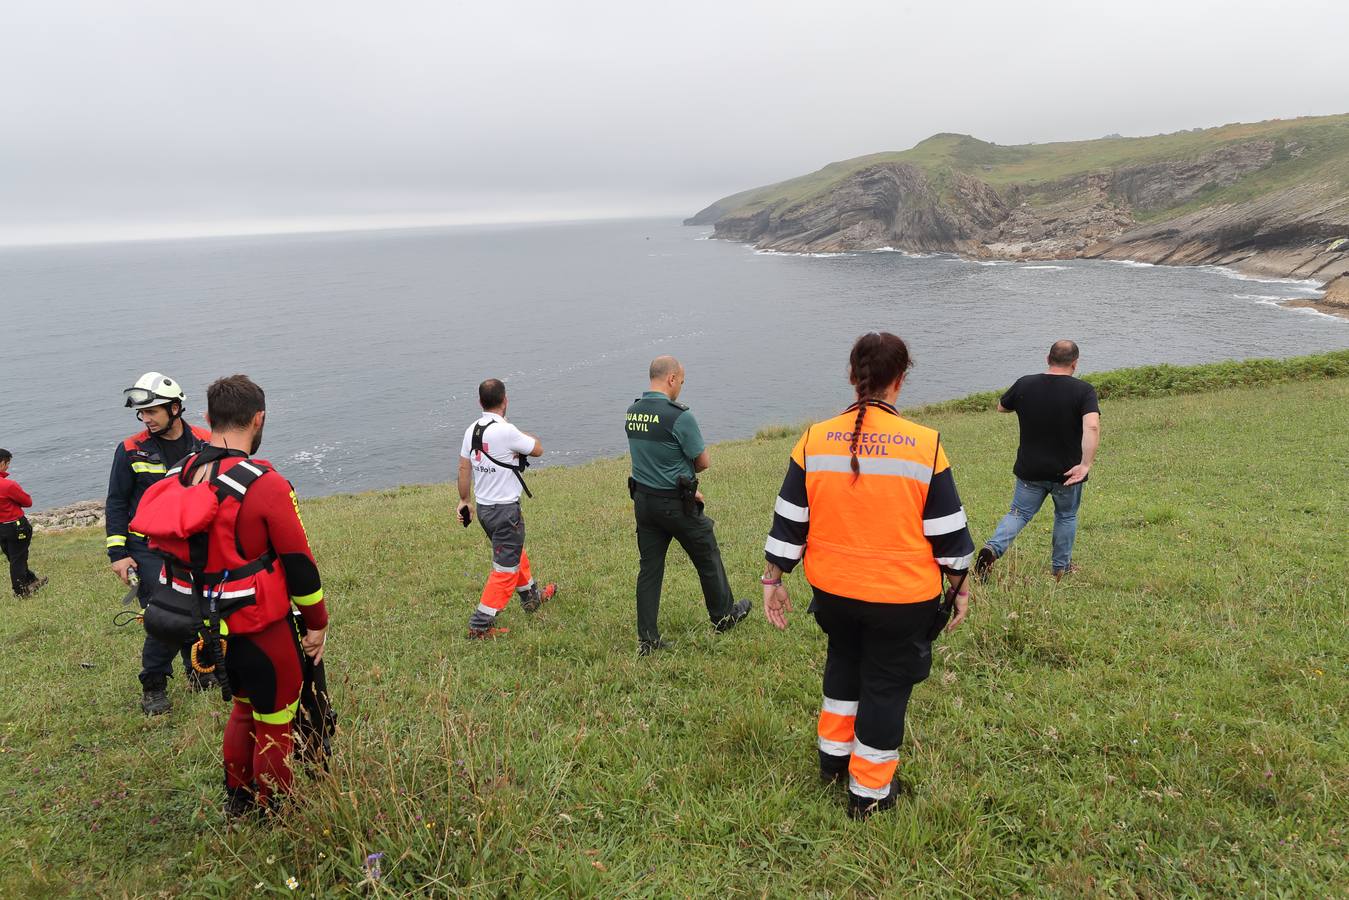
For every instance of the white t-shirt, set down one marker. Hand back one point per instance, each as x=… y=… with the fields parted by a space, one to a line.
x=493 y=485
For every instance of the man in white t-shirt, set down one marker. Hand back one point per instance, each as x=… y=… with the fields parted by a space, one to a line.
x=490 y=462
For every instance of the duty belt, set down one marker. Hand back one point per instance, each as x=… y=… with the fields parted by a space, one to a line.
x=636 y=487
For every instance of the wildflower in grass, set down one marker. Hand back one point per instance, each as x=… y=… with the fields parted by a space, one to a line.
x=292 y=882
x=372 y=866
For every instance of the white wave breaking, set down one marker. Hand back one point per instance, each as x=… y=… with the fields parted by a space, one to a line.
x=822 y=255
x=1304 y=284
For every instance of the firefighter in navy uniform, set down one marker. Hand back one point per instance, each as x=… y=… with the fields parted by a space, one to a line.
x=870 y=504
x=667 y=452
x=228 y=526
x=139 y=462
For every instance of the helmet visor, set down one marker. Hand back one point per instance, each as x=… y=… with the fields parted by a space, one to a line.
x=137 y=398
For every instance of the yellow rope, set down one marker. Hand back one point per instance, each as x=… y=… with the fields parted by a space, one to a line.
x=200 y=647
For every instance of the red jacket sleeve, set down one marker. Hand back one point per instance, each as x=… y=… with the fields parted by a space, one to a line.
x=10 y=487
x=285 y=533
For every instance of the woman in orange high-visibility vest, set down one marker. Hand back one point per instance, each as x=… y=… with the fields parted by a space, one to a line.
x=870 y=506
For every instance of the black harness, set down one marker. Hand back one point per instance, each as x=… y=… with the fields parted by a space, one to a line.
x=176 y=618
x=518 y=469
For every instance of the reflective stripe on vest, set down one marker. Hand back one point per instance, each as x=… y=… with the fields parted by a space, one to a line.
x=866 y=536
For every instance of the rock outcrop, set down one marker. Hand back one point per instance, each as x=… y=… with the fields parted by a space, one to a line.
x=77 y=515
x=1337 y=293
x=1201 y=208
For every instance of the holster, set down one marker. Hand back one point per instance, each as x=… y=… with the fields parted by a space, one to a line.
x=688 y=493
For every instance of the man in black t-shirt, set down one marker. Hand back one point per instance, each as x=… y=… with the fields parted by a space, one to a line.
x=1060 y=430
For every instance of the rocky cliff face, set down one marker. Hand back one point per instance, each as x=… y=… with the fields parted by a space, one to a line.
x=1113 y=214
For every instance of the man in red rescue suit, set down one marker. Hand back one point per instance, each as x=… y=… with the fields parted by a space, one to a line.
x=139 y=462
x=257 y=563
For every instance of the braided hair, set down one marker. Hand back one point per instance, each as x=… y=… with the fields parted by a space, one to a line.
x=878 y=360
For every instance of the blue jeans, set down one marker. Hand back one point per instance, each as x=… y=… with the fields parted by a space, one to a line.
x=1027 y=499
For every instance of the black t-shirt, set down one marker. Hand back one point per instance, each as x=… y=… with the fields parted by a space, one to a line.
x=1050 y=409
x=172 y=452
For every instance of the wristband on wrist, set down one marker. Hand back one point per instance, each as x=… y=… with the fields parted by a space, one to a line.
x=765 y=580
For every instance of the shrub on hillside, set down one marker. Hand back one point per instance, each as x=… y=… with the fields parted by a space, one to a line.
x=1168 y=380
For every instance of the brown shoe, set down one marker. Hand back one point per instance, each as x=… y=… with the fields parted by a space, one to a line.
x=32 y=587
x=1071 y=570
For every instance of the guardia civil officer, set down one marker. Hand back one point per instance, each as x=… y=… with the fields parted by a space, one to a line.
x=139 y=462
x=667 y=452
x=869 y=502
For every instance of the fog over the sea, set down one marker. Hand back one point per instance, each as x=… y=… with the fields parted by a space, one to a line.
x=149 y=118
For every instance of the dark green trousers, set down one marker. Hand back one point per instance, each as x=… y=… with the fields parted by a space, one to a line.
x=658 y=520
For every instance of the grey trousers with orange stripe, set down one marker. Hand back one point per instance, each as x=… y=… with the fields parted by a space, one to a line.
x=505 y=527
x=877 y=653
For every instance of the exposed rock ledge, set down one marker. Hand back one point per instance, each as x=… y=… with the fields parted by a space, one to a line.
x=77 y=515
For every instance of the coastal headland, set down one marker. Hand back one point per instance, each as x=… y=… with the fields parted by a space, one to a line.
x=1268 y=198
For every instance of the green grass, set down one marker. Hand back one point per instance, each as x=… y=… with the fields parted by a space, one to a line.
x=1036 y=168
x=1171 y=722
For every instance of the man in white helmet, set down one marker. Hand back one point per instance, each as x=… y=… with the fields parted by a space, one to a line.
x=140 y=461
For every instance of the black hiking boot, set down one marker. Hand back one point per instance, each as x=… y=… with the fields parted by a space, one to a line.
x=239 y=802
x=831 y=777
x=200 y=681
x=833 y=769
x=155 y=696
x=739 y=610
x=983 y=564
x=646 y=648
x=860 y=808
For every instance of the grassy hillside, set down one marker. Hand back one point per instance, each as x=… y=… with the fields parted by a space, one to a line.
x=1325 y=159
x=1170 y=722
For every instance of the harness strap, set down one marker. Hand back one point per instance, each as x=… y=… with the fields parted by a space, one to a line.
x=518 y=468
x=236 y=482
x=208 y=579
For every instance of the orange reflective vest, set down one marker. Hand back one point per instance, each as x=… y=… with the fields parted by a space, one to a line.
x=866 y=536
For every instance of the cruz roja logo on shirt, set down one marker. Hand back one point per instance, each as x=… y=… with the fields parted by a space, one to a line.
x=487 y=468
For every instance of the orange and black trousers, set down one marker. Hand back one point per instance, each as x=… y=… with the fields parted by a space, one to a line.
x=877 y=653
x=505 y=527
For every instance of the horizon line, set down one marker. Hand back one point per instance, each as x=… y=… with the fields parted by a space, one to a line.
x=282 y=226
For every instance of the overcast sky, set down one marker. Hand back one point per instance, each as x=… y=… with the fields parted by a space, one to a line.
x=138 y=117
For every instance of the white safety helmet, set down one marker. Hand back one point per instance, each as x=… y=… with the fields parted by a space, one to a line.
x=153 y=389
